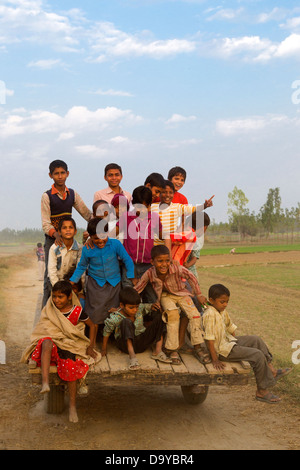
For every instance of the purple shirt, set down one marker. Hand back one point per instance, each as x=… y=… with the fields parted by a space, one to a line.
x=139 y=234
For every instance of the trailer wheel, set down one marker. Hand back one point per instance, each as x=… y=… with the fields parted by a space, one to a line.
x=194 y=394
x=55 y=399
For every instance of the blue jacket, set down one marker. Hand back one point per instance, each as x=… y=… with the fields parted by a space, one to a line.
x=103 y=263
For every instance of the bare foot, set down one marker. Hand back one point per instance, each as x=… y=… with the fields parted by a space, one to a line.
x=73 y=417
x=45 y=389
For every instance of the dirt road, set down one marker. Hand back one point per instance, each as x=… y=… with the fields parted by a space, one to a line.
x=123 y=418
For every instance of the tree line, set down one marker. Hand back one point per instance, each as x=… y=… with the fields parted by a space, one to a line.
x=270 y=219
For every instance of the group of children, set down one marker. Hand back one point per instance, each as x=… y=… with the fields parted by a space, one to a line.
x=135 y=276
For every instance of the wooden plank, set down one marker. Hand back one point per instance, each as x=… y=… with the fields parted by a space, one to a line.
x=147 y=364
x=180 y=368
x=118 y=362
x=101 y=367
x=226 y=371
x=165 y=368
x=192 y=364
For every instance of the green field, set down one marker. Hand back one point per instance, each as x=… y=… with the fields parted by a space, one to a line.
x=281 y=275
x=240 y=249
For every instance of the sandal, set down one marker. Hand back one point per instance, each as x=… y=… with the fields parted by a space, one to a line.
x=202 y=356
x=134 y=363
x=282 y=373
x=269 y=398
x=162 y=357
x=175 y=359
x=185 y=349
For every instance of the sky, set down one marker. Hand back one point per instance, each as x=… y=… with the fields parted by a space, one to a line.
x=211 y=86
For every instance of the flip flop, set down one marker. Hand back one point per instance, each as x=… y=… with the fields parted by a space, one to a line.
x=269 y=398
x=282 y=373
x=134 y=364
x=162 y=357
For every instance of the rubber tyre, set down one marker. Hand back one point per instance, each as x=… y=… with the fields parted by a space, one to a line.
x=192 y=397
x=55 y=399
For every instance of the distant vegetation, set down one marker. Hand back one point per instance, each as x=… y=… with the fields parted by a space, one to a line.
x=272 y=224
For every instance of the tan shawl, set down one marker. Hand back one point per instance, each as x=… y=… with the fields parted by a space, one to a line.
x=64 y=334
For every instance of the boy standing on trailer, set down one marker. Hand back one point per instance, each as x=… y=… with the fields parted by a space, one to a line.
x=57 y=203
x=113 y=176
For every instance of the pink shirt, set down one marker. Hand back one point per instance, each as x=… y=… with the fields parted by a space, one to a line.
x=107 y=195
x=138 y=235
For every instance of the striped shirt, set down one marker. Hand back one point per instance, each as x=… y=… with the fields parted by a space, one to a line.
x=171 y=216
x=173 y=283
x=112 y=323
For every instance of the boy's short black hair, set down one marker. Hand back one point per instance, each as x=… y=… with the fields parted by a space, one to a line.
x=195 y=220
x=99 y=202
x=112 y=166
x=176 y=170
x=158 y=250
x=57 y=164
x=170 y=184
x=155 y=179
x=217 y=290
x=142 y=194
x=129 y=296
x=64 y=219
x=65 y=287
x=39 y=245
x=93 y=228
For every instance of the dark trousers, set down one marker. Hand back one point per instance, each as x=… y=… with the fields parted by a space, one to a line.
x=153 y=334
x=47 y=284
x=253 y=349
x=148 y=295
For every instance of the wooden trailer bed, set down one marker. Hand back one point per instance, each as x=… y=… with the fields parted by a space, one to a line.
x=193 y=377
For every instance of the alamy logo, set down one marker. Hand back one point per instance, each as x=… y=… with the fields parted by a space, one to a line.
x=2 y=92
x=296 y=94
x=296 y=354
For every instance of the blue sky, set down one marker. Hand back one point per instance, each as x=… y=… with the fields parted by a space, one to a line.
x=207 y=85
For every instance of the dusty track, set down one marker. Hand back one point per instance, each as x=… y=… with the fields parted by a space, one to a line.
x=150 y=418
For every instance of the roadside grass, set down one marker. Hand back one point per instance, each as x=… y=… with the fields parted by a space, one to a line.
x=265 y=301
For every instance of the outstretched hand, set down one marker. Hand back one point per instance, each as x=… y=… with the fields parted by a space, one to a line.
x=209 y=202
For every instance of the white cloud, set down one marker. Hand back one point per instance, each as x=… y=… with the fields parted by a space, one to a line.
x=119 y=140
x=31 y=21
x=276 y=14
x=65 y=136
x=77 y=119
x=254 y=48
x=91 y=151
x=108 y=41
x=46 y=64
x=231 y=127
x=178 y=119
x=111 y=92
x=225 y=14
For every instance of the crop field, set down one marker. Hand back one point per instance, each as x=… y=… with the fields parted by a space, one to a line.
x=265 y=300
